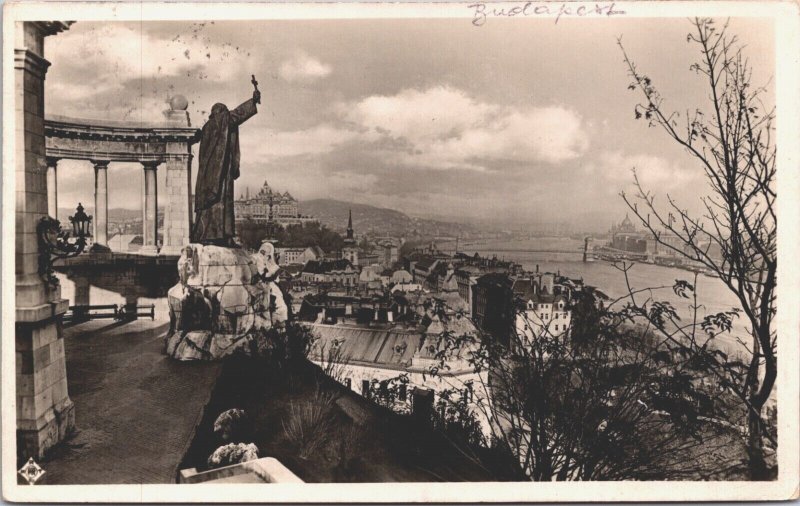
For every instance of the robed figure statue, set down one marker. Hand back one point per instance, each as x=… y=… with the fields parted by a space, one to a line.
x=214 y=221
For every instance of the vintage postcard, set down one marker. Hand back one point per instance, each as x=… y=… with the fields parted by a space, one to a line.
x=361 y=252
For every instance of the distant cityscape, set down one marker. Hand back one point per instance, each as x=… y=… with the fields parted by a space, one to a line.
x=269 y=205
x=393 y=284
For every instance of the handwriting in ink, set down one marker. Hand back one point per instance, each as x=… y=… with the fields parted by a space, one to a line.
x=481 y=12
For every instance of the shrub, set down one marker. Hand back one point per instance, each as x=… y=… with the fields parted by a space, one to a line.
x=308 y=425
x=233 y=453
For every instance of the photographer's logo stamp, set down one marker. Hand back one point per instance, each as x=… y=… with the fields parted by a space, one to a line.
x=31 y=471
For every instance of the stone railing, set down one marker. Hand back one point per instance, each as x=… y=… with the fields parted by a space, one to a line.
x=264 y=470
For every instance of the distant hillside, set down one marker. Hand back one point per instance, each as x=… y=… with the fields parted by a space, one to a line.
x=114 y=214
x=378 y=220
x=333 y=214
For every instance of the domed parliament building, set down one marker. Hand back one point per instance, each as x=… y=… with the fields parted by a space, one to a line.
x=269 y=204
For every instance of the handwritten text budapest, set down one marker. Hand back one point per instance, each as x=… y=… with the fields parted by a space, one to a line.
x=482 y=11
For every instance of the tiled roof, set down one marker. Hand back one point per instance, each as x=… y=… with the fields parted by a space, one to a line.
x=495 y=278
x=324 y=266
x=435 y=327
x=460 y=325
x=426 y=263
x=524 y=288
x=392 y=347
x=401 y=275
x=545 y=298
x=453 y=301
x=292 y=268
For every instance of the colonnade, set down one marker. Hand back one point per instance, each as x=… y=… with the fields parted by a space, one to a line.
x=165 y=145
x=100 y=218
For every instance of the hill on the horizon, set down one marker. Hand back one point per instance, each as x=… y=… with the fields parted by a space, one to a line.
x=333 y=214
x=378 y=220
x=114 y=213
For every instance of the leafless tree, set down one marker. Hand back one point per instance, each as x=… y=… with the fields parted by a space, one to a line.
x=734 y=237
x=333 y=360
x=605 y=400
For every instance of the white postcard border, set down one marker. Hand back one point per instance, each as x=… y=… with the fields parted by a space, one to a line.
x=787 y=22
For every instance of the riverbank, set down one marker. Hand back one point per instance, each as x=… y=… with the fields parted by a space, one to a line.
x=564 y=256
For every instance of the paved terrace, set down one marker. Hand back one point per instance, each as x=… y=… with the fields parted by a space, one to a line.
x=135 y=410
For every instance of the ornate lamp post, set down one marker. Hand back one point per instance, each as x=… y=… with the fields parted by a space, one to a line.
x=272 y=226
x=55 y=243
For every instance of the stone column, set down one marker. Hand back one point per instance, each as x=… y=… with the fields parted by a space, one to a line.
x=178 y=207
x=45 y=413
x=150 y=209
x=100 y=206
x=82 y=295
x=52 y=187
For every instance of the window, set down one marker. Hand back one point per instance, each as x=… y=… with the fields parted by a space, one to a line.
x=348 y=382
x=556 y=327
x=365 y=388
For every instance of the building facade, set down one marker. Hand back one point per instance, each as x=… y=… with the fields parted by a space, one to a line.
x=543 y=316
x=298 y=256
x=338 y=272
x=493 y=306
x=268 y=203
x=625 y=237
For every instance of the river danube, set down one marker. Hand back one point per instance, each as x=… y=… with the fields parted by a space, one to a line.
x=564 y=255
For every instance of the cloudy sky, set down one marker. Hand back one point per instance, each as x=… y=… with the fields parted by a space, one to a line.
x=518 y=120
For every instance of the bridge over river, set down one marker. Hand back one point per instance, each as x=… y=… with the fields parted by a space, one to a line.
x=534 y=246
x=487 y=247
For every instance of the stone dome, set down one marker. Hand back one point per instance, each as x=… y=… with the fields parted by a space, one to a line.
x=178 y=103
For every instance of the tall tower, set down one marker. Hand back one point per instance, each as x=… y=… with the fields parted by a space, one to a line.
x=272 y=225
x=350 y=228
x=350 y=250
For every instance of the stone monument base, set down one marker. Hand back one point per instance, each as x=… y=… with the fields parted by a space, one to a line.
x=222 y=304
x=35 y=438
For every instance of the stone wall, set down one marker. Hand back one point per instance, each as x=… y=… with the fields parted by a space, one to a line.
x=45 y=413
x=118 y=278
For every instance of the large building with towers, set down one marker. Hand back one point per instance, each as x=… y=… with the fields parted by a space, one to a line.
x=269 y=205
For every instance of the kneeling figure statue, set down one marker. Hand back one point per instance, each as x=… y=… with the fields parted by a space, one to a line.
x=224 y=300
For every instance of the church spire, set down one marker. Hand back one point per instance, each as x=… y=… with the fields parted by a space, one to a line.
x=350 y=238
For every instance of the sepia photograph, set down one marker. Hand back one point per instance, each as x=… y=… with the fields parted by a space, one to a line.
x=389 y=247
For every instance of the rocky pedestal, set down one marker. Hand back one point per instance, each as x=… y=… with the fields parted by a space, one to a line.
x=223 y=303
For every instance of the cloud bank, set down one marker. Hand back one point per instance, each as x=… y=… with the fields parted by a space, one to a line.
x=303 y=69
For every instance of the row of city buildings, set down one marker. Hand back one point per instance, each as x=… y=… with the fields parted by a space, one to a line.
x=264 y=206
x=668 y=248
x=379 y=323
